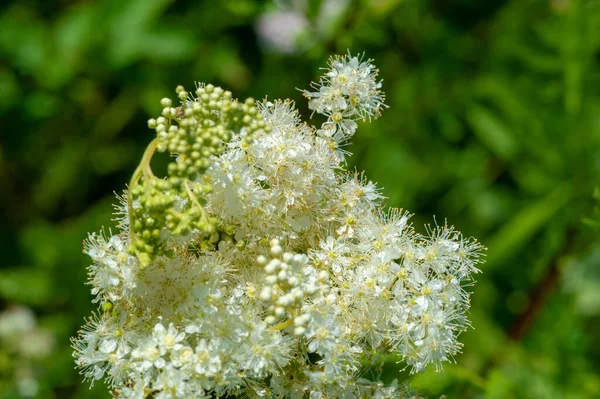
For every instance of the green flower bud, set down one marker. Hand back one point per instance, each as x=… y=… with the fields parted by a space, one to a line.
x=166 y=102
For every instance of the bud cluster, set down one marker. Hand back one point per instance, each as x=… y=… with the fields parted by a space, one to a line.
x=196 y=131
x=286 y=287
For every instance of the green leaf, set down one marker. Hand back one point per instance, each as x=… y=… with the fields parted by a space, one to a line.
x=518 y=231
x=491 y=131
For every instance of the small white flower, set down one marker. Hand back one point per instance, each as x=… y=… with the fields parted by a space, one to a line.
x=167 y=339
x=206 y=359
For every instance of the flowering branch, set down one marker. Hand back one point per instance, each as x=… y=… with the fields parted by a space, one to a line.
x=258 y=267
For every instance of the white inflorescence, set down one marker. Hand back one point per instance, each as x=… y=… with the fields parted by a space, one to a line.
x=304 y=285
x=347 y=92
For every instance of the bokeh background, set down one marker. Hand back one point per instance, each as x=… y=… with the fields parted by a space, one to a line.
x=494 y=124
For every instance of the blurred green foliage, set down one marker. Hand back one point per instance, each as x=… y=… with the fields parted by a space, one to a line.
x=494 y=124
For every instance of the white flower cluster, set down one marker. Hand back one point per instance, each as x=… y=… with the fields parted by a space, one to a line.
x=349 y=91
x=305 y=283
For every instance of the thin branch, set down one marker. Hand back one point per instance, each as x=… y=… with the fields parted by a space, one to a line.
x=540 y=294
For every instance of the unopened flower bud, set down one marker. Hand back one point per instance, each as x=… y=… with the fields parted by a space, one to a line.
x=166 y=102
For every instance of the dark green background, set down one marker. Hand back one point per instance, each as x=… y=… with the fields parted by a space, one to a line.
x=494 y=124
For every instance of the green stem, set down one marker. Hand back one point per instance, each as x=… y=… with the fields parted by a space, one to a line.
x=194 y=200
x=281 y=326
x=143 y=169
x=285 y=324
x=394 y=281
